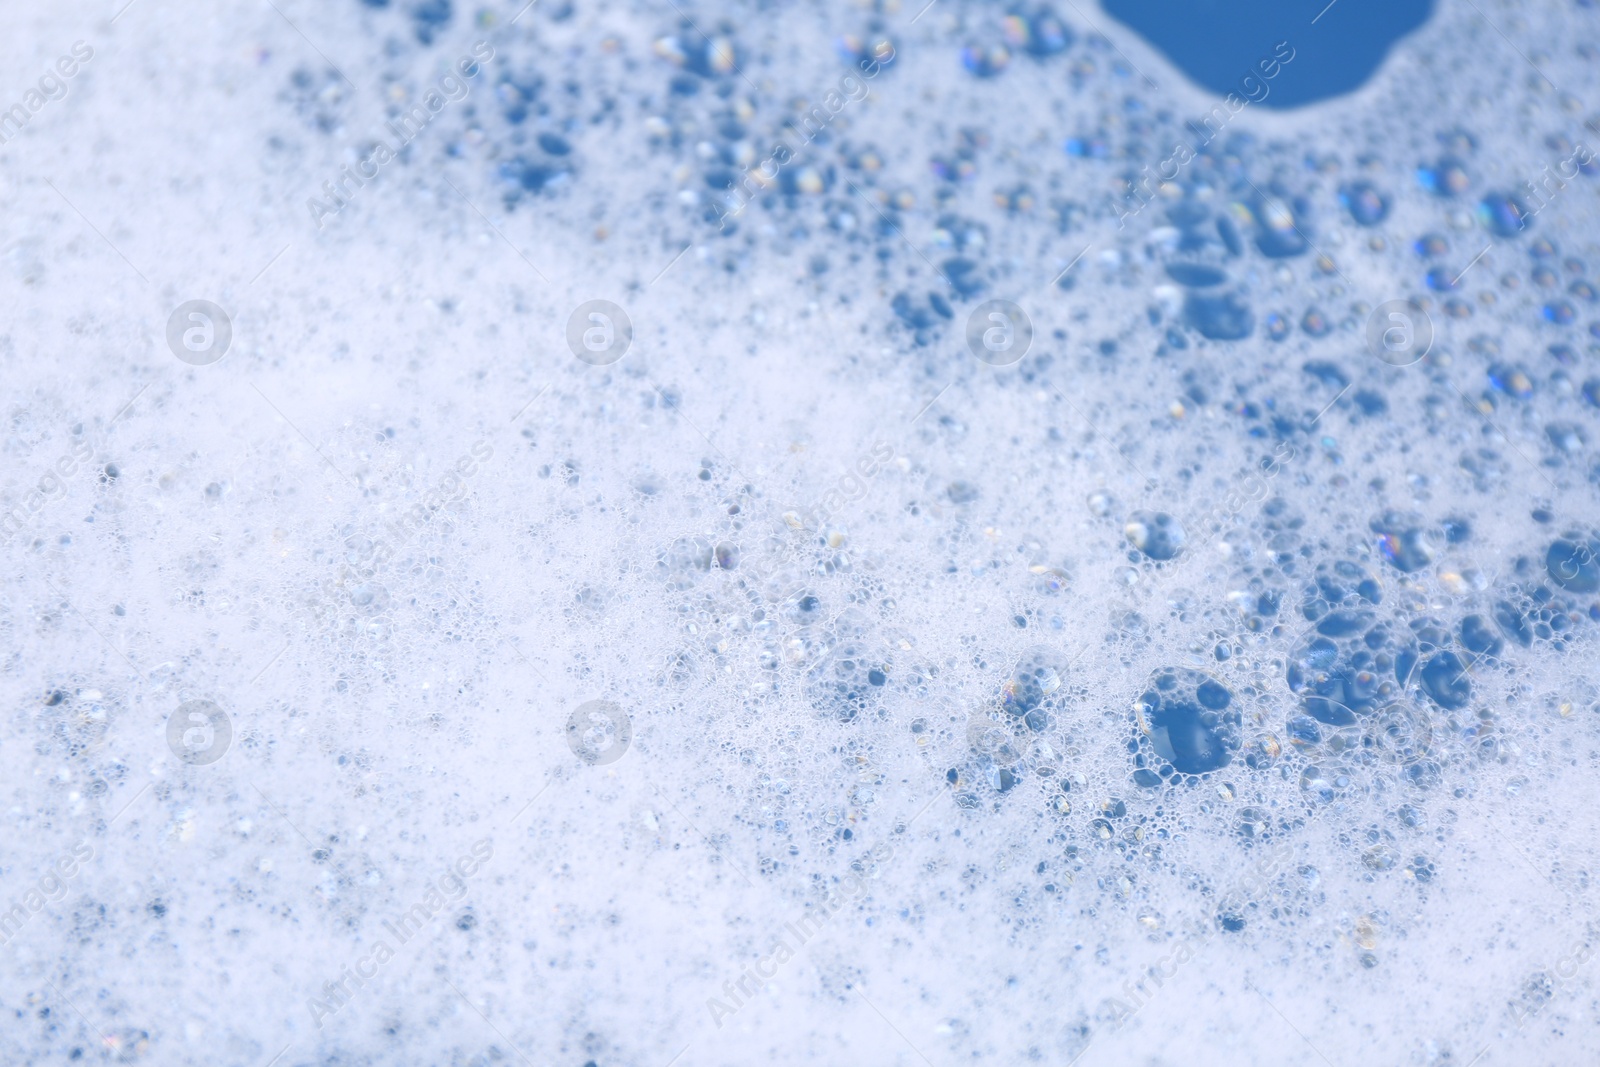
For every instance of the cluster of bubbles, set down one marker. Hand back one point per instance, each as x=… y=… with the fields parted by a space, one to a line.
x=1205 y=218
x=1356 y=660
x=1039 y=33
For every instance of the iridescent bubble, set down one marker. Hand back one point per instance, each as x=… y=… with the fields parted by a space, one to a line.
x=1029 y=694
x=670 y=49
x=1315 y=324
x=1430 y=245
x=1448 y=177
x=1559 y=312
x=1367 y=206
x=806 y=181
x=1156 y=534
x=1512 y=381
x=1279 y=228
x=985 y=62
x=719 y=56
x=1380 y=858
x=1303 y=731
x=1402 y=544
x=1503 y=215
x=1039 y=33
x=705 y=57
x=863 y=52
x=1049 y=579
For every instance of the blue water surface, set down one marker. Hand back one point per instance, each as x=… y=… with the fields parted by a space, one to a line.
x=1239 y=46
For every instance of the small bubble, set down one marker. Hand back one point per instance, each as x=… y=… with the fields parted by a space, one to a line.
x=1446 y=178
x=1503 y=215
x=1156 y=534
x=985 y=61
x=1380 y=858
x=1367 y=206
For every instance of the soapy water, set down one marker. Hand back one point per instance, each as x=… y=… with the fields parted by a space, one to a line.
x=888 y=534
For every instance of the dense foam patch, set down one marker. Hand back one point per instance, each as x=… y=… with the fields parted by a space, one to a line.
x=817 y=534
